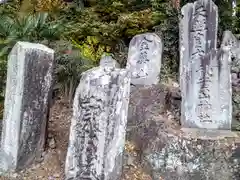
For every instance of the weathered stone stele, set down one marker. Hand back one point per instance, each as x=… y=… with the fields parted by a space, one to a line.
x=198 y=36
x=29 y=84
x=98 y=127
x=108 y=61
x=232 y=44
x=198 y=33
x=208 y=102
x=144 y=59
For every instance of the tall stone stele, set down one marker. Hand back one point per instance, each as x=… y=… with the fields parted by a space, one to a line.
x=29 y=84
x=145 y=58
x=197 y=34
x=198 y=58
x=98 y=126
x=209 y=102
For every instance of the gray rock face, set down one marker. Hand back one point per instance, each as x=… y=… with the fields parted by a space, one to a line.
x=148 y=104
x=167 y=152
x=29 y=83
x=98 y=127
x=208 y=102
x=144 y=59
x=108 y=61
x=197 y=154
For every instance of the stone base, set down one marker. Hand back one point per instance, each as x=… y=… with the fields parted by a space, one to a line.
x=171 y=153
x=207 y=134
x=196 y=154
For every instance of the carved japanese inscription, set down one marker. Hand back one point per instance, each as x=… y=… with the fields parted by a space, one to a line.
x=91 y=108
x=198 y=34
x=204 y=107
x=144 y=59
x=98 y=126
x=211 y=104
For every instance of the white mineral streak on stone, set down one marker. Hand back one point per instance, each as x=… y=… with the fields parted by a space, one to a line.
x=101 y=100
x=144 y=59
x=108 y=61
x=198 y=36
x=20 y=140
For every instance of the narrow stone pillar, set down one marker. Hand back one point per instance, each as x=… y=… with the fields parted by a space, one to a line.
x=29 y=84
x=98 y=127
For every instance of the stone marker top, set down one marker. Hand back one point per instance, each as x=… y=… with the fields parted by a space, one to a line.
x=108 y=61
x=229 y=41
x=212 y=5
x=28 y=45
x=154 y=36
x=94 y=72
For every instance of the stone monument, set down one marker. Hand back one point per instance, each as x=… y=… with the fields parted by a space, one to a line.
x=144 y=59
x=29 y=85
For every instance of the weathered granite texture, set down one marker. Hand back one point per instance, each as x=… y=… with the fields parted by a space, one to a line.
x=182 y=156
x=198 y=36
x=167 y=152
x=146 y=102
x=98 y=127
x=145 y=58
x=29 y=84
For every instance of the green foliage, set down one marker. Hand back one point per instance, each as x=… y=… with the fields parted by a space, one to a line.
x=80 y=32
x=165 y=15
x=90 y=49
x=10 y=8
x=3 y=75
x=109 y=21
x=236 y=21
x=31 y=28
x=78 y=58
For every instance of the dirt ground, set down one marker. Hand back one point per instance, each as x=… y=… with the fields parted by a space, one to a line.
x=51 y=166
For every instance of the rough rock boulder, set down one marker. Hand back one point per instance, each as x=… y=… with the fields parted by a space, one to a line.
x=171 y=153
